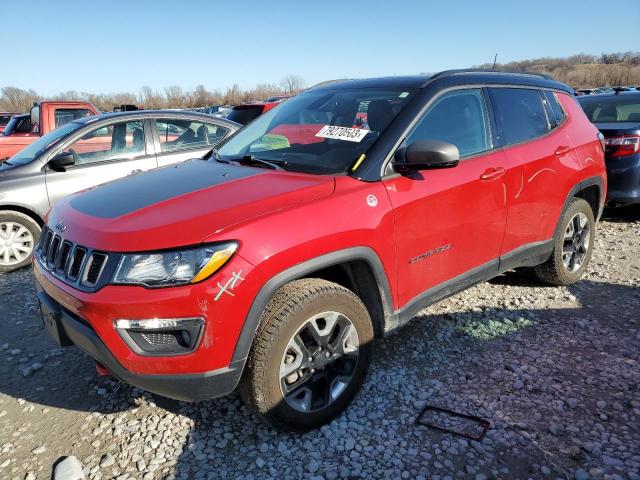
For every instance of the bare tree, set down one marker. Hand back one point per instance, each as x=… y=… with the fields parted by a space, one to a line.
x=15 y=99
x=151 y=98
x=292 y=83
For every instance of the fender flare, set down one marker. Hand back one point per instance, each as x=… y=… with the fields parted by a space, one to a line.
x=247 y=334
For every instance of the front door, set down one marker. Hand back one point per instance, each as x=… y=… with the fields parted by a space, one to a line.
x=450 y=221
x=103 y=154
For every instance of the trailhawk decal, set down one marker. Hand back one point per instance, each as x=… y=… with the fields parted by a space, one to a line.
x=342 y=133
x=229 y=285
x=430 y=253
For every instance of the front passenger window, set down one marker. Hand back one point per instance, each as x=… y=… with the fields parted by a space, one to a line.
x=121 y=141
x=458 y=117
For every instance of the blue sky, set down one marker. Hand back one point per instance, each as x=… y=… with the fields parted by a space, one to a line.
x=121 y=45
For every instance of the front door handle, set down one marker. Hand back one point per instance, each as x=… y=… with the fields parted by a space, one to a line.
x=562 y=150
x=134 y=172
x=492 y=173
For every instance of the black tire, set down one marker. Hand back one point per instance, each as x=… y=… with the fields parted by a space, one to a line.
x=22 y=220
x=288 y=311
x=554 y=271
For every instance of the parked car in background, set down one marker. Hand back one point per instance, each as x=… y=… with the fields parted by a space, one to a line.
x=43 y=118
x=272 y=266
x=248 y=112
x=88 y=151
x=617 y=116
x=18 y=124
x=277 y=98
x=4 y=119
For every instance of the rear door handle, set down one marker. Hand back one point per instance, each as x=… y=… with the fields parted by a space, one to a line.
x=134 y=172
x=492 y=173
x=562 y=150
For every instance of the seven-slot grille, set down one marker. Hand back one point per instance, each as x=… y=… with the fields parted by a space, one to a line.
x=74 y=264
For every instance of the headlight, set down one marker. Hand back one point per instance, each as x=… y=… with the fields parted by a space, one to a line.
x=176 y=267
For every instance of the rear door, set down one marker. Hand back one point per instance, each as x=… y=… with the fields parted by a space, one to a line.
x=102 y=154
x=450 y=221
x=539 y=153
x=180 y=139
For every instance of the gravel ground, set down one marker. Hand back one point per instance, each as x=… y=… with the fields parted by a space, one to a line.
x=555 y=371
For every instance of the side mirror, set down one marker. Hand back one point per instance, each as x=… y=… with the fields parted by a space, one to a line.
x=61 y=161
x=426 y=154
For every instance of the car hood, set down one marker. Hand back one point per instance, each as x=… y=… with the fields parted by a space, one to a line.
x=179 y=205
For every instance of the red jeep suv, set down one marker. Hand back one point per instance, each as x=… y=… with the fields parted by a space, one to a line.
x=271 y=264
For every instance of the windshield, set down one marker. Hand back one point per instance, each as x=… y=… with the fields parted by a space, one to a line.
x=322 y=132
x=243 y=114
x=612 y=108
x=37 y=148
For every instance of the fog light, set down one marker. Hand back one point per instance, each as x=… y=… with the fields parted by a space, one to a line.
x=155 y=336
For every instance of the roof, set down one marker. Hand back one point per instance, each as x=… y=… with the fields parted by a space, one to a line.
x=624 y=93
x=155 y=113
x=449 y=77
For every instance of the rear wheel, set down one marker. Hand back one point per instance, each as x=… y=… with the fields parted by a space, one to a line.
x=310 y=355
x=573 y=246
x=18 y=236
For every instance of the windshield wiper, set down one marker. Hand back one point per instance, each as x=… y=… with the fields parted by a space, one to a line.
x=250 y=159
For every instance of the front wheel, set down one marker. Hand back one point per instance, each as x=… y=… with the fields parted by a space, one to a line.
x=573 y=245
x=310 y=355
x=18 y=236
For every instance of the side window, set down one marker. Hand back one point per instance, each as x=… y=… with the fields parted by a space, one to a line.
x=121 y=141
x=520 y=114
x=556 y=114
x=215 y=133
x=459 y=118
x=66 y=115
x=181 y=134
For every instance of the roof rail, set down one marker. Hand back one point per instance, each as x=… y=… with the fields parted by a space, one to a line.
x=448 y=73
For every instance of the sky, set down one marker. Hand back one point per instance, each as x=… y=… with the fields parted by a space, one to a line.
x=113 y=46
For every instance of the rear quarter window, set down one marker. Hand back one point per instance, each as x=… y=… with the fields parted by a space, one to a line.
x=520 y=114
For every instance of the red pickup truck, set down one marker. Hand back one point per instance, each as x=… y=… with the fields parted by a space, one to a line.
x=45 y=116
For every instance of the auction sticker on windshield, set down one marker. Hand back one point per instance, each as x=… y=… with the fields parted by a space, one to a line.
x=342 y=133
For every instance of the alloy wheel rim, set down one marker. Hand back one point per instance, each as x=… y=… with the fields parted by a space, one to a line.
x=576 y=243
x=16 y=243
x=319 y=362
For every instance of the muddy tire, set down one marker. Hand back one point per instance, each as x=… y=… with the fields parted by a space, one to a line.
x=310 y=355
x=572 y=247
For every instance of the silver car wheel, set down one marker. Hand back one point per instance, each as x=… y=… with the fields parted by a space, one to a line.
x=16 y=243
x=577 y=238
x=319 y=362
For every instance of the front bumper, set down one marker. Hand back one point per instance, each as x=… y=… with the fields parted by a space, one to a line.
x=72 y=330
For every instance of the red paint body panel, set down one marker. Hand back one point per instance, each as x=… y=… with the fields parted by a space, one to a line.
x=12 y=144
x=446 y=207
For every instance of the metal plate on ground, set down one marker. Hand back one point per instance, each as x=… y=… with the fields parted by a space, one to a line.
x=448 y=421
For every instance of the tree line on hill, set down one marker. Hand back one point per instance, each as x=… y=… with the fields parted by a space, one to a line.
x=579 y=71
x=14 y=99
x=583 y=70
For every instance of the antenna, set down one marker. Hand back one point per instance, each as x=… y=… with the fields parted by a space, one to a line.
x=495 y=59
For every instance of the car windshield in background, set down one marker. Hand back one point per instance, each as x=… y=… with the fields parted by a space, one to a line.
x=37 y=148
x=243 y=114
x=322 y=132
x=612 y=108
